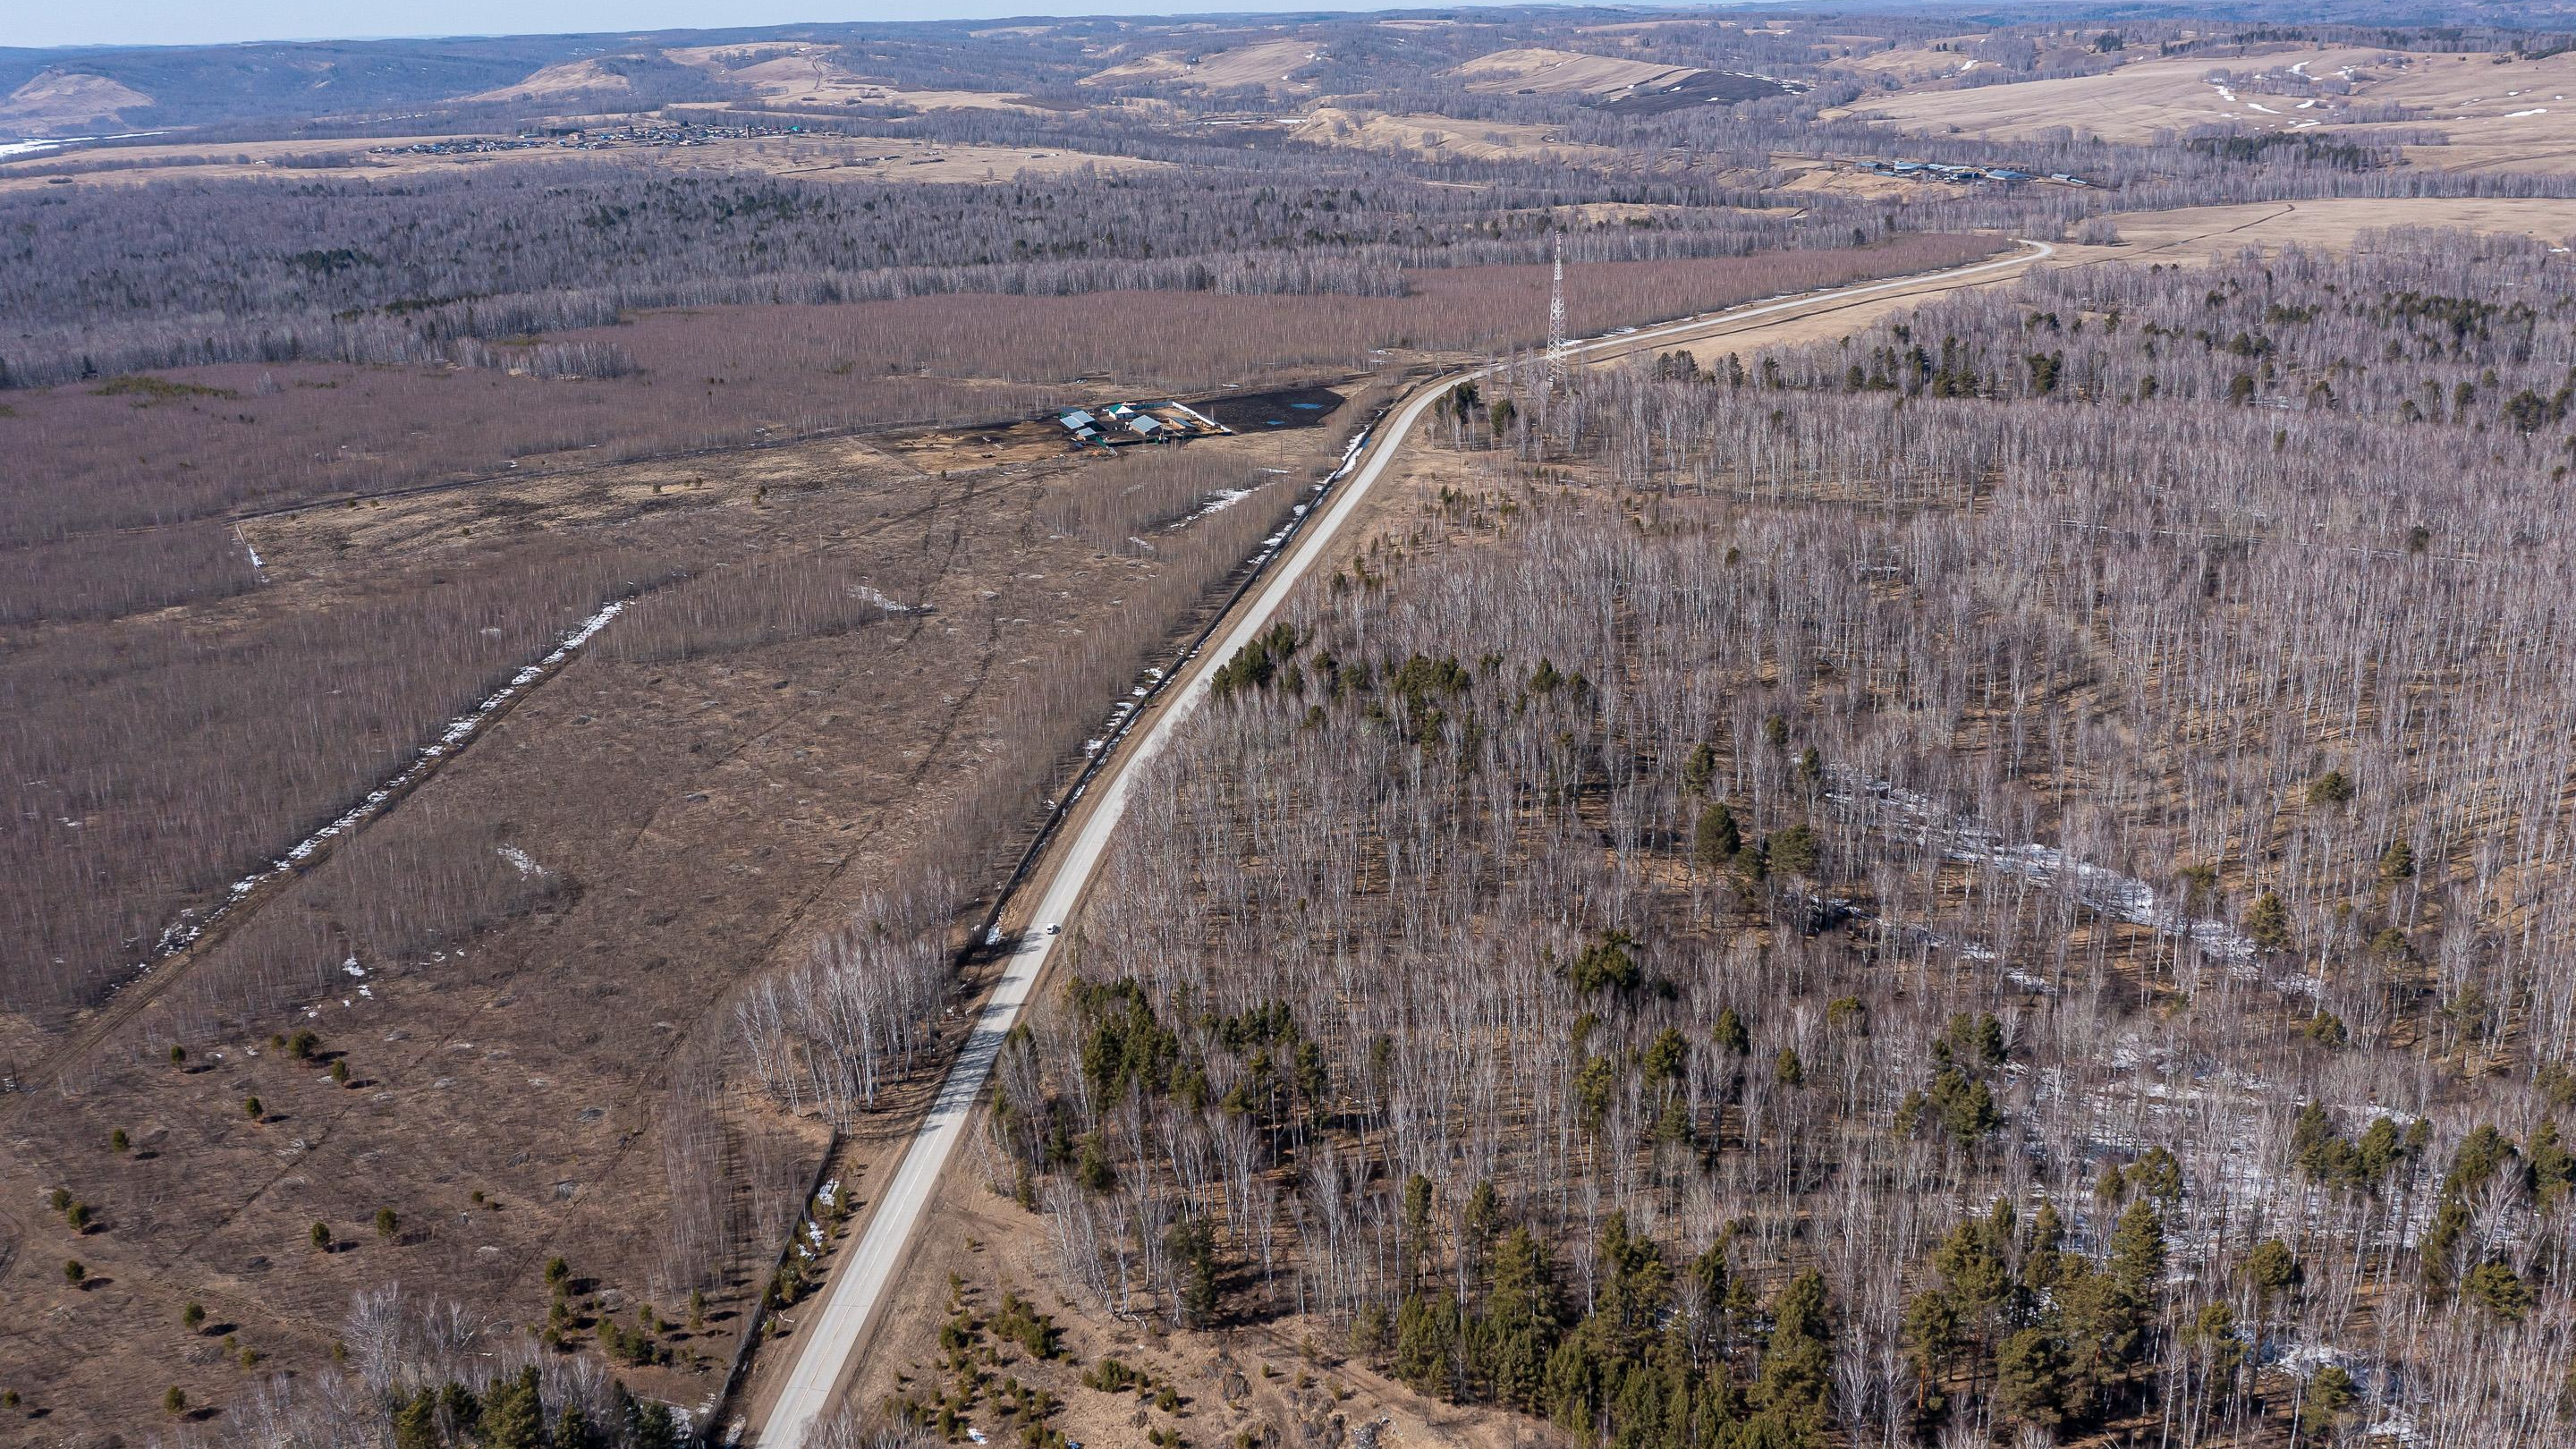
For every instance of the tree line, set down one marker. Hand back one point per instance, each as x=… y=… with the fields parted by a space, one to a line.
x=2035 y=884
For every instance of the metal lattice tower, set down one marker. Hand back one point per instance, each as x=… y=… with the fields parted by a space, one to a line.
x=1556 y=319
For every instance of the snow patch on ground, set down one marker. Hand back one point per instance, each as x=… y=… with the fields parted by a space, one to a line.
x=871 y=595
x=1918 y=818
x=191 y=924
x=1218 y=502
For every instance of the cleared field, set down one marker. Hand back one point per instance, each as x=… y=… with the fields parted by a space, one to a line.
x=874 y=158
x=696 y=798
x=60 y=102
x=2208 y=233
x=1810 y=174
x=1540 y=71
x=2193 y=236
x=817 y=75
x=2496 y=110
x=571 y=78
x=1613 y=84
x=881 y=159
x=1271 y=64
x=1443 y=136
x=1954 y=55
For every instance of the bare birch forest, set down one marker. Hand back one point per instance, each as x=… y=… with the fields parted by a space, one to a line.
x=2003 y=881
x=2006 y=877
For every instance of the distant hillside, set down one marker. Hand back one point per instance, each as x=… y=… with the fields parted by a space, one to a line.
x=71 y=92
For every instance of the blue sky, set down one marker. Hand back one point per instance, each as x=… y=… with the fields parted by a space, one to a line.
x=198 y=22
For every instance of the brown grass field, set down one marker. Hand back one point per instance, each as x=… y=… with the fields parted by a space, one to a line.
x=874 y=159
x=550 y=926
x=2498 y=111
x=1550 y=72
x=1270 y=64
x=540 y=1075
x=1444 y=138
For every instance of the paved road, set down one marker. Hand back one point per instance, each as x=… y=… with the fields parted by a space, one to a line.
x=829 y=1337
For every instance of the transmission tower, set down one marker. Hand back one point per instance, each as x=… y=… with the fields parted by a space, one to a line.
x=1556 y=319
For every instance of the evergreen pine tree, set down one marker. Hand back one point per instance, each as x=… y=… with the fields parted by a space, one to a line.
x=1520 y=1323
x=1797 y=1364
x=513 y=1416
x=416 y=1421
x=1716 y=838
x=2031 y=1380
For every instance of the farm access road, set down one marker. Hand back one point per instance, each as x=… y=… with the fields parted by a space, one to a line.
x=829 y=1340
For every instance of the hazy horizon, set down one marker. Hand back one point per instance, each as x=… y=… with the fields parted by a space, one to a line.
x=170 y=22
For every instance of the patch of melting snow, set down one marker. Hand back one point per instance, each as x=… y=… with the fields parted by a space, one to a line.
x=191 y=926
x=35 y=147
x=2535 y=111
x=352 y=967
x=2259 y=106
x=1907 y=815
x=520 y=861
x=1218 y=502
x=870 y=594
